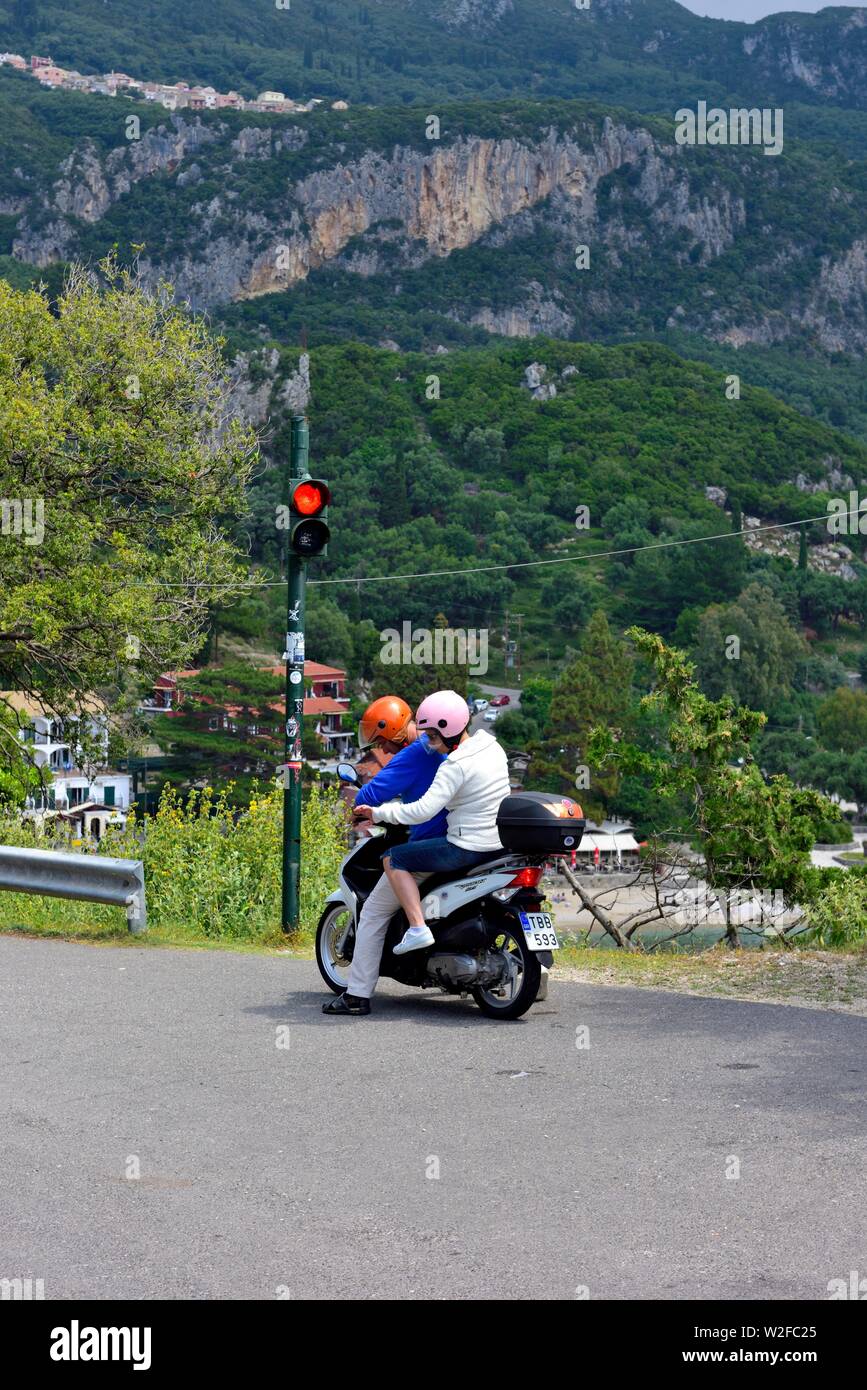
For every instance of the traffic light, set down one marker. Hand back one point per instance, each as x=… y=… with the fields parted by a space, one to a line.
x=309 y=506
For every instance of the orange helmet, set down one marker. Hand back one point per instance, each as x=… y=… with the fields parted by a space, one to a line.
x=388 y=717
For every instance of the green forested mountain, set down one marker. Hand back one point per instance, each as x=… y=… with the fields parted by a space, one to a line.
x=355 y=225
x=538 y=326
x=488 y=473
x=644 y=54
x=478 y=463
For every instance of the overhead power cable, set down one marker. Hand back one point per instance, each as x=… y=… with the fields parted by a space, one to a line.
x=487 y=569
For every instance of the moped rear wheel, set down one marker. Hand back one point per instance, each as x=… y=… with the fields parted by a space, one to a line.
x=514 y=995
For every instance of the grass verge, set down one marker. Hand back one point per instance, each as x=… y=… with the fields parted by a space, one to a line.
x=802 y=977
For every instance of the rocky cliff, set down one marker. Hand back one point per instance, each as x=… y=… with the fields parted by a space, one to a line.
x=636 y=200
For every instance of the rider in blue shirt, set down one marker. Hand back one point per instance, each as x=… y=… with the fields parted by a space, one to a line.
x=388 y=723
x=408 y=776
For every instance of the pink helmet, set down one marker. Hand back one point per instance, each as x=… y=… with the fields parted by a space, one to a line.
x=446 y=712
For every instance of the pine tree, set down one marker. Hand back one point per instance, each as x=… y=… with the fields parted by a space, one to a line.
x=394 y=496
x=594 y=689
x=25 y=17
x=802 y=548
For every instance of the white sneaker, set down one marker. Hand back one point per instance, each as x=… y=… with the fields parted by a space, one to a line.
x=414 y=939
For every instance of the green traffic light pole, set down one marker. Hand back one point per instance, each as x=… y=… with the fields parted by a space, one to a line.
x=294 y=658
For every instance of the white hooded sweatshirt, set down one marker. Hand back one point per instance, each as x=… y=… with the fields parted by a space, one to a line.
x=471 y=782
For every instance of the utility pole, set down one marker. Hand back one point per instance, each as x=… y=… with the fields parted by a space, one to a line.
x=505 y=645
x=520 y=618
x=308 y=535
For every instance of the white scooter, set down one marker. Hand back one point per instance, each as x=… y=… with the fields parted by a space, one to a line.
x=491 y=937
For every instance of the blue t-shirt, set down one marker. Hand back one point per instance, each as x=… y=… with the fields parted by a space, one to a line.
x=408 y=776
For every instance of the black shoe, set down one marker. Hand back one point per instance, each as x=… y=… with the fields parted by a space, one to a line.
x=347 y=1004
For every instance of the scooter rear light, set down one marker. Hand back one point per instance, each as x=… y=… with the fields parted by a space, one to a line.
x=527 y=878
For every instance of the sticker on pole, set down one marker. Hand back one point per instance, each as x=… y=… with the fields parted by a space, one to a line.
x=294 y=652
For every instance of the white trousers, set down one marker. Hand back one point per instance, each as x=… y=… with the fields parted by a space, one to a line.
x=376 y=914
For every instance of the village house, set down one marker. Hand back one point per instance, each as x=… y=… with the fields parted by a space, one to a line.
x=51 y=76
x=326 y=704
x=91 y=797
x=202 y=99
x=325 y=699
x=174 y=97
x=167 y=693
x=271 y=101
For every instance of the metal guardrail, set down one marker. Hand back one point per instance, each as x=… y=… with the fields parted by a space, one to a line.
x=83 y=877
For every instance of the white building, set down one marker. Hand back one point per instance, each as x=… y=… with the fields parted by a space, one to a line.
x=95 y=796
x=609 y=848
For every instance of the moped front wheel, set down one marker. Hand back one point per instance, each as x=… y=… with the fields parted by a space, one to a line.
x=335 y=941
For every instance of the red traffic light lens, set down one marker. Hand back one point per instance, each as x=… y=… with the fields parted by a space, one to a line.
x=310 y=498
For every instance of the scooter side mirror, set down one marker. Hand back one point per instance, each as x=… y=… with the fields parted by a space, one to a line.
x=346 y=772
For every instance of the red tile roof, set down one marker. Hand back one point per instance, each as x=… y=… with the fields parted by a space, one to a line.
x=313 y=670
x=323 y=704
x=320 y=704
x=317 y=671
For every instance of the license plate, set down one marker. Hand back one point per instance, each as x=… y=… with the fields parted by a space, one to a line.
x=539 y=931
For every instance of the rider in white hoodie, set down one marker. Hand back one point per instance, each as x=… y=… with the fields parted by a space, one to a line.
x=471 y=782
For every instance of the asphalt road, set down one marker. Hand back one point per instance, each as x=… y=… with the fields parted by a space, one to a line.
x=304 y=1168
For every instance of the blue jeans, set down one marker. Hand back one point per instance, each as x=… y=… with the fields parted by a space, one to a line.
x=437 y=856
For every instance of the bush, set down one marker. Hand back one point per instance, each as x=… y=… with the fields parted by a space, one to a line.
x=838 y=917
x=833 y=832
x=210 y=871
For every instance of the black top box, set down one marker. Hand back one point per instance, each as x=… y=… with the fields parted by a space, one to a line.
x=540 y=823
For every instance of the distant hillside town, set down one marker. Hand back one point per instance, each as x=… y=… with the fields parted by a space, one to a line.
x=175 y=96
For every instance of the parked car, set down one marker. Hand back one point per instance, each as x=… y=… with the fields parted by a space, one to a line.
x=490 y=715
x=499 y=700
x=479 y=706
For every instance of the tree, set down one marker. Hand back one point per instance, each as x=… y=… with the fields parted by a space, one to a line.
x=842 y=720
x=229 y=725
x=18 y=776
x=660 y=583
x=328 y=632
x=366 y=647
x=825 y=599
x=748 y=649
x=119 y=460
x=595 y=686
x=569 y=596
x=390 y=480
x=412 y=683
x=754 y=833
x=25 y=17
x=536 y=697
